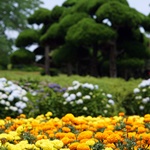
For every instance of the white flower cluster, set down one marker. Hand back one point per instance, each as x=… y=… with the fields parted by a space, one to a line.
x=12 y=96
x=142 y=93
x=76 y=93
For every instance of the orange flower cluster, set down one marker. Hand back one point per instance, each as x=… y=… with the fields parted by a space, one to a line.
x=77 y=133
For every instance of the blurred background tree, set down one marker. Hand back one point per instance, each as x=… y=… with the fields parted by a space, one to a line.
x=13 y=17
x=107 y=41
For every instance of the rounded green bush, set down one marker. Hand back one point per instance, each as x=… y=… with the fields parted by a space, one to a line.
x=22 y=57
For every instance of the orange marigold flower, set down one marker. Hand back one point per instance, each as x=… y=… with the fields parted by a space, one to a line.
x=113 y=138
x=71 y=135
x=85 y=135
x=83 y=146
x=147 y=118
x=66 y=129
x=141 y=130
x=8 y=118
x=121 y=114
x=73 y=146
x=66 y=140
x=60 y=135
x=68 y=117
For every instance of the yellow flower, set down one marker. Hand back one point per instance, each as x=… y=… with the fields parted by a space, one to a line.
x=90 y=142
x=57 y=144
x=108 y=148
x=20 y=129
x=2 y=122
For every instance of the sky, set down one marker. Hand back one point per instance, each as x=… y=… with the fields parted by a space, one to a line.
x=140 y=5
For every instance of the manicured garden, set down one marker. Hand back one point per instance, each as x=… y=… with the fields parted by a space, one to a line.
x=73 y=113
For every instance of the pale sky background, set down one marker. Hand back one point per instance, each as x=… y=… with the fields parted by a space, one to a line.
x=140 y=5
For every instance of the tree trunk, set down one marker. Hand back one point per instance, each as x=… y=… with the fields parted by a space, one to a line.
x=93 y=69
x=112 y=61
x=69 y=69
x=47 y=60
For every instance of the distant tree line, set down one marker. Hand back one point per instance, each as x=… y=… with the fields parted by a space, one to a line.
x=97 y=38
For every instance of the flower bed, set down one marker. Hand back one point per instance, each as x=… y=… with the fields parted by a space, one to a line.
x=75 y=133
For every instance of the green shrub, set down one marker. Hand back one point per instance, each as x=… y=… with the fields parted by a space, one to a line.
x=22 y=57
x=138 y=101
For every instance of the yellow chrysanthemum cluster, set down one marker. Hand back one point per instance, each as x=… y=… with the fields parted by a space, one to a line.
x=75 y=133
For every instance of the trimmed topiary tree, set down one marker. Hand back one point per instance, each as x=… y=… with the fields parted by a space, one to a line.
x=22 y=57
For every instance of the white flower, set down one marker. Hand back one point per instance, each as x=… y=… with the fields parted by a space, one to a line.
x=80 y=101
x=3 y=79
x=23 y=92
x=13 y=108
x=4 y=96
x=96 y=87
x=141 y=107
x=87 y=97
x=75 y=83
x=9 y=82
x=6 y=108
x=76 y=87
x=20 y=111
x=16 y=94
x=144 y=90
x=145 y=100
x=136 y=90
x=10 y=98
x=25 y=99
x=20 y=104
x=70 y=88
x=2 y=102
x=105 y=111
x=73 y=96
x=68 y=99
x=144 y=83
x=64 y=103
x=79 y=94
x=110 y=101
x=87 y=85
x=109 y=95
x=85 y=108
x=65 y=95
x=7 y=103
x=7 y=89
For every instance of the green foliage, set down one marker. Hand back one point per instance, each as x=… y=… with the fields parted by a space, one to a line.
x=64 y=53
x=135 y=49
x=52 y=33
x=119 y=14
x=138 y=101
x=69 y=3
x=27 y=38
x=56 y=13
x=88 y=32
x=22 y=57
x=42 y=15
x=71 y=19
x=131 y=63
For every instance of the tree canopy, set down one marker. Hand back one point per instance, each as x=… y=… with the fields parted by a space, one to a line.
x=100 y=30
